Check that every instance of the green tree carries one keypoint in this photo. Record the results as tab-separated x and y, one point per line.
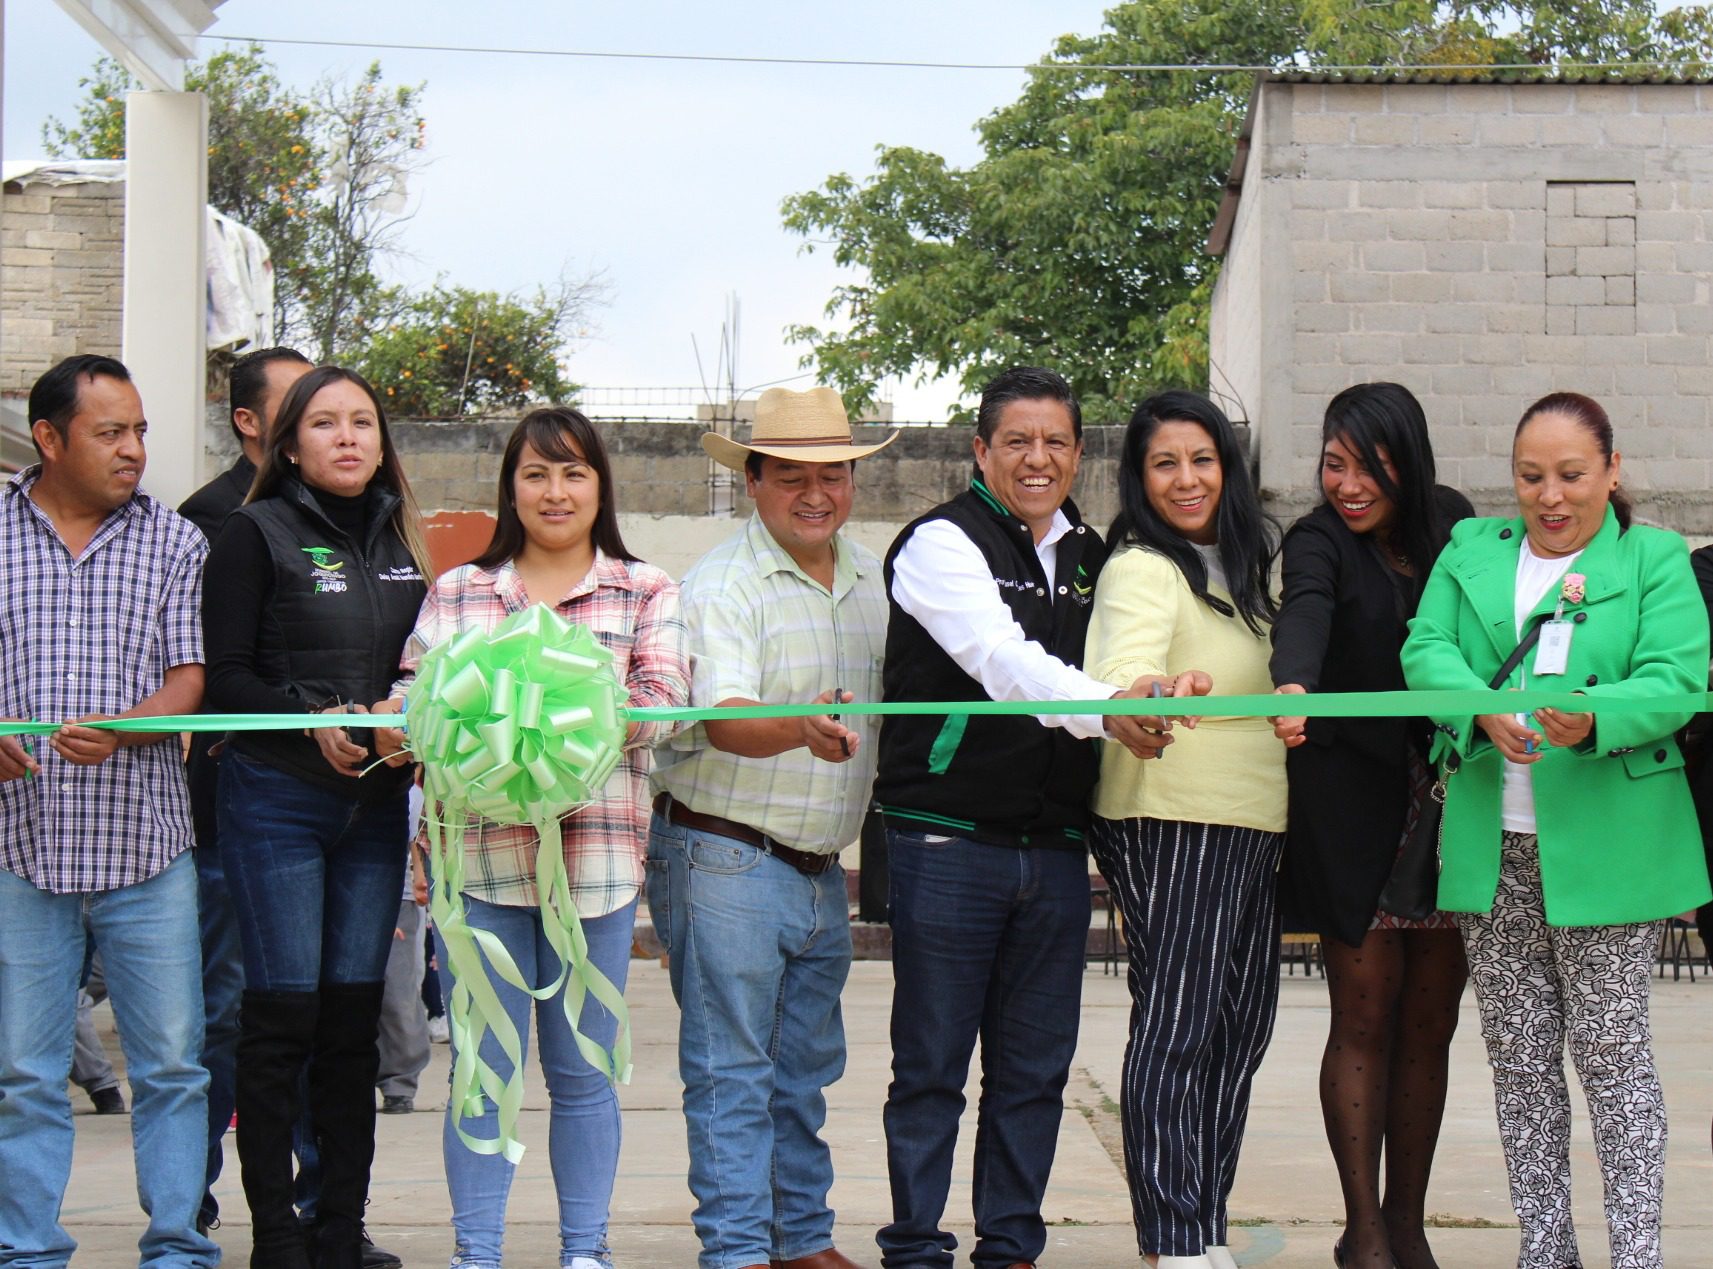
99	132
1077	240
321	177
264	159
374	138
453	351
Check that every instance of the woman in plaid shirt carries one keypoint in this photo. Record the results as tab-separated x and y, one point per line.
557	542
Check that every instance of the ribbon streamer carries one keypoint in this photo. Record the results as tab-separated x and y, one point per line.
519	725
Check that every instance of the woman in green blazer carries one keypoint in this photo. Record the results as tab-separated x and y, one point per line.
1568	837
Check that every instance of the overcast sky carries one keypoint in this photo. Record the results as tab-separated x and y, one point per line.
666	175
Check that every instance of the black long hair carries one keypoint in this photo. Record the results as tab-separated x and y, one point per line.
559	434
1591	416
1248	536
275	468
1370	417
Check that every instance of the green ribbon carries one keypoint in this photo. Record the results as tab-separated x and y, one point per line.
524	724
1438	704
519	725
1443	704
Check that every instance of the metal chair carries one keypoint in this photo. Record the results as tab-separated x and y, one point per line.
1106	946
1299	946
1674	948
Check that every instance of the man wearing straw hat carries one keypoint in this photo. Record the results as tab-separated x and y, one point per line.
991	595
744	882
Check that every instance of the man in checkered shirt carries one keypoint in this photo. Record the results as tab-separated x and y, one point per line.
744	882
100	617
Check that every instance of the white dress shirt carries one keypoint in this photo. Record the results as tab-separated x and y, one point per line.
942	580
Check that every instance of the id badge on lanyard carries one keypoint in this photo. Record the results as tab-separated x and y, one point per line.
1552	653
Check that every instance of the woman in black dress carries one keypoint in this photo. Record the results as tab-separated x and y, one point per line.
1354	568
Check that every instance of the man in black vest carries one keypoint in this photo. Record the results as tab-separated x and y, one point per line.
990	599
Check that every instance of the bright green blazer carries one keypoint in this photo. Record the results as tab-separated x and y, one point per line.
1617	832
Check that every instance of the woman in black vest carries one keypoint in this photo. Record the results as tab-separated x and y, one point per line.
1354	569
312	588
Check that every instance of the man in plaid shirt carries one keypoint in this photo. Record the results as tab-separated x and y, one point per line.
744	881
100	617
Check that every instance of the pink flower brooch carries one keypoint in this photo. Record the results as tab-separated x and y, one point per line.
1575	588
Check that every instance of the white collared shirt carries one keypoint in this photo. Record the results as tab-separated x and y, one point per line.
941	579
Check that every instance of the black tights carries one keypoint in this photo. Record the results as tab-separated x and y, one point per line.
1382	1083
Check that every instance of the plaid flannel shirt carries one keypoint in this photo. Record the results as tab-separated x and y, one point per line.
762	629
95	635
632	608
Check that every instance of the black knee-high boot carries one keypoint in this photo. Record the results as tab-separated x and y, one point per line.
342	1073
276	1034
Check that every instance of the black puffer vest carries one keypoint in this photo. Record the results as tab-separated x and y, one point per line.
337	618
1006	780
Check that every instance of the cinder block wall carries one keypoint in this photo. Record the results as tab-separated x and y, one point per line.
1483	244
661	470
62	276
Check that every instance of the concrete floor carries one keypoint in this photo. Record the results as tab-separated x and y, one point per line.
1286	1196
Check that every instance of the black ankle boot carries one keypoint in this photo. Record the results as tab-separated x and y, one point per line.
276	1033
342	1075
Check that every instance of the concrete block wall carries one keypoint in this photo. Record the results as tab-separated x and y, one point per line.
663	478
60	276
1485	244
661	470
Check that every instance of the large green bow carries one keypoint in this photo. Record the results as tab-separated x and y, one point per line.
518	725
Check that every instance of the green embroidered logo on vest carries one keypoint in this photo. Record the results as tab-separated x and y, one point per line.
324	570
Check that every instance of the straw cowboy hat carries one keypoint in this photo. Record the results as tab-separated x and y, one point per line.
802	427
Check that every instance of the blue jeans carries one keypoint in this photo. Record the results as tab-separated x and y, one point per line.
583	1125
986	940
222	987
760	953
147	935
314	877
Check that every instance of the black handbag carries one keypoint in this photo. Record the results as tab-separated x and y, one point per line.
1412	890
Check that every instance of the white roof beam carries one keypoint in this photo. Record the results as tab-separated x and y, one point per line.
152	38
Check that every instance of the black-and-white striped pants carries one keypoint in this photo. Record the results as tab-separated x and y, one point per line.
1202	931
1537	985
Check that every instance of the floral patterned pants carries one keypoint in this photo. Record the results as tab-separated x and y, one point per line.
1537	985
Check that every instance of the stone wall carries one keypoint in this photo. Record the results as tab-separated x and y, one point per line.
61	279
661	470
664	478
1485	244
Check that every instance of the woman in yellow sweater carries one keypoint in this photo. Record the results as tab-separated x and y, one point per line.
1190	843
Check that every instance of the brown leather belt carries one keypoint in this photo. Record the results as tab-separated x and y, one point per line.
675	812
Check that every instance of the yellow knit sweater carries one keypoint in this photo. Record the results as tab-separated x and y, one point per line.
1226	770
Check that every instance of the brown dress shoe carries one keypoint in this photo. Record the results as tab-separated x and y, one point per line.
832	1258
